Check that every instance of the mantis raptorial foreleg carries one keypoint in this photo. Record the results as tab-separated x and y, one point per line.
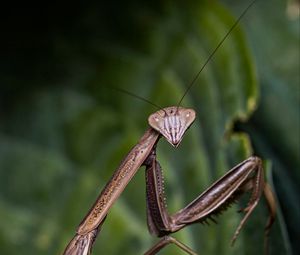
247	176
82	242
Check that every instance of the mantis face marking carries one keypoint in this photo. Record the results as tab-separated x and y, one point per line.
172	122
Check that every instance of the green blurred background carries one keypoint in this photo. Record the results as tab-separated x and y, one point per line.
63	130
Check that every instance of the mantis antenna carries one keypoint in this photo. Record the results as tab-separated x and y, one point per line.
140	98
214	51
192	83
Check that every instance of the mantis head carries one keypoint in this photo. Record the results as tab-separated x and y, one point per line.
172	122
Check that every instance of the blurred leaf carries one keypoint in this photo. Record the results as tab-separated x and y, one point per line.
64	135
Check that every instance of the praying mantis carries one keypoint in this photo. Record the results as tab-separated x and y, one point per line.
172	123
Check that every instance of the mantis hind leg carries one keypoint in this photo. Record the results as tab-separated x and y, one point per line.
247	176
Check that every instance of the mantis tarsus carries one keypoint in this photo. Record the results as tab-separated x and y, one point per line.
172	123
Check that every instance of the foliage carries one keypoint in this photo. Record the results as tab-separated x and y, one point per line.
63	129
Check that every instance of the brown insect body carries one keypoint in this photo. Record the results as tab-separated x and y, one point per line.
172	123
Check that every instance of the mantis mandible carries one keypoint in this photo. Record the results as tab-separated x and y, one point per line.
172	123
